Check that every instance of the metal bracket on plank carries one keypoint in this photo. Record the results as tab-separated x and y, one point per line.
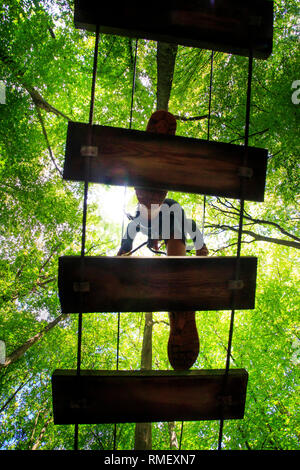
225	400
245	172
235	285
81	286
89	151
255	20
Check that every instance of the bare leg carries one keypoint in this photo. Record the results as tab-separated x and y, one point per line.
175	247
183	344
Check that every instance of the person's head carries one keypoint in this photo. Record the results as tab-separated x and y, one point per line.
146	197
160	122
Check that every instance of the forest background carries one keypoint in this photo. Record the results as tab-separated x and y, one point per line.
46	73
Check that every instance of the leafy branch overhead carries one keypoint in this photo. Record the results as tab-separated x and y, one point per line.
262	233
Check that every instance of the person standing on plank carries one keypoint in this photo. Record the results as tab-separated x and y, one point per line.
162	218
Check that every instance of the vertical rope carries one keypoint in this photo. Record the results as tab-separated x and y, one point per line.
117	368
204	197
86	186
84	216
210	93
130	119
123	222
133	83
237	272
208	126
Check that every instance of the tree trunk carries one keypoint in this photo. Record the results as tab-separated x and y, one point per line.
143	431
166	57
19	352
172	434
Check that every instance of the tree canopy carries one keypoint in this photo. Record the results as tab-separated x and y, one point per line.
46	69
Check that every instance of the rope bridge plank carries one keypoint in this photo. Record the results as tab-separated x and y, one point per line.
99	396
231	26
137	158
142	284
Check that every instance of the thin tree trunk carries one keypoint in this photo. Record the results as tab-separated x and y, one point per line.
35	425
143	431
166	57
43	430
19	352
173	436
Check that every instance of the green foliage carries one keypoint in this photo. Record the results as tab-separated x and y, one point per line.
46	65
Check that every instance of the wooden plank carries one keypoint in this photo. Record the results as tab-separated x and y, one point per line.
147	396
129	284
231	26
142	159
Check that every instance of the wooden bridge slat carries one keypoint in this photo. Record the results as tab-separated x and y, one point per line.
142	159
147	396
136	284
231	26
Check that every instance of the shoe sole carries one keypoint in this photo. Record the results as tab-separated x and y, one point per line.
183	344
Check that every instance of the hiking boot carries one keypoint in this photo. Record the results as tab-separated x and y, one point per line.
183	344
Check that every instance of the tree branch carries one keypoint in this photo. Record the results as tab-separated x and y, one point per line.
37	98
251	135
47	281
235	213
15	393
47	140
49	257
160	321
257	237
277	241
40	102
228	246
19	352
193	118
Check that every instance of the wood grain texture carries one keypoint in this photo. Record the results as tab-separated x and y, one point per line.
129	284
147	396
231	26
142	159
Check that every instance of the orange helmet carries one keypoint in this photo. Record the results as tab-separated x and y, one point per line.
162	122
